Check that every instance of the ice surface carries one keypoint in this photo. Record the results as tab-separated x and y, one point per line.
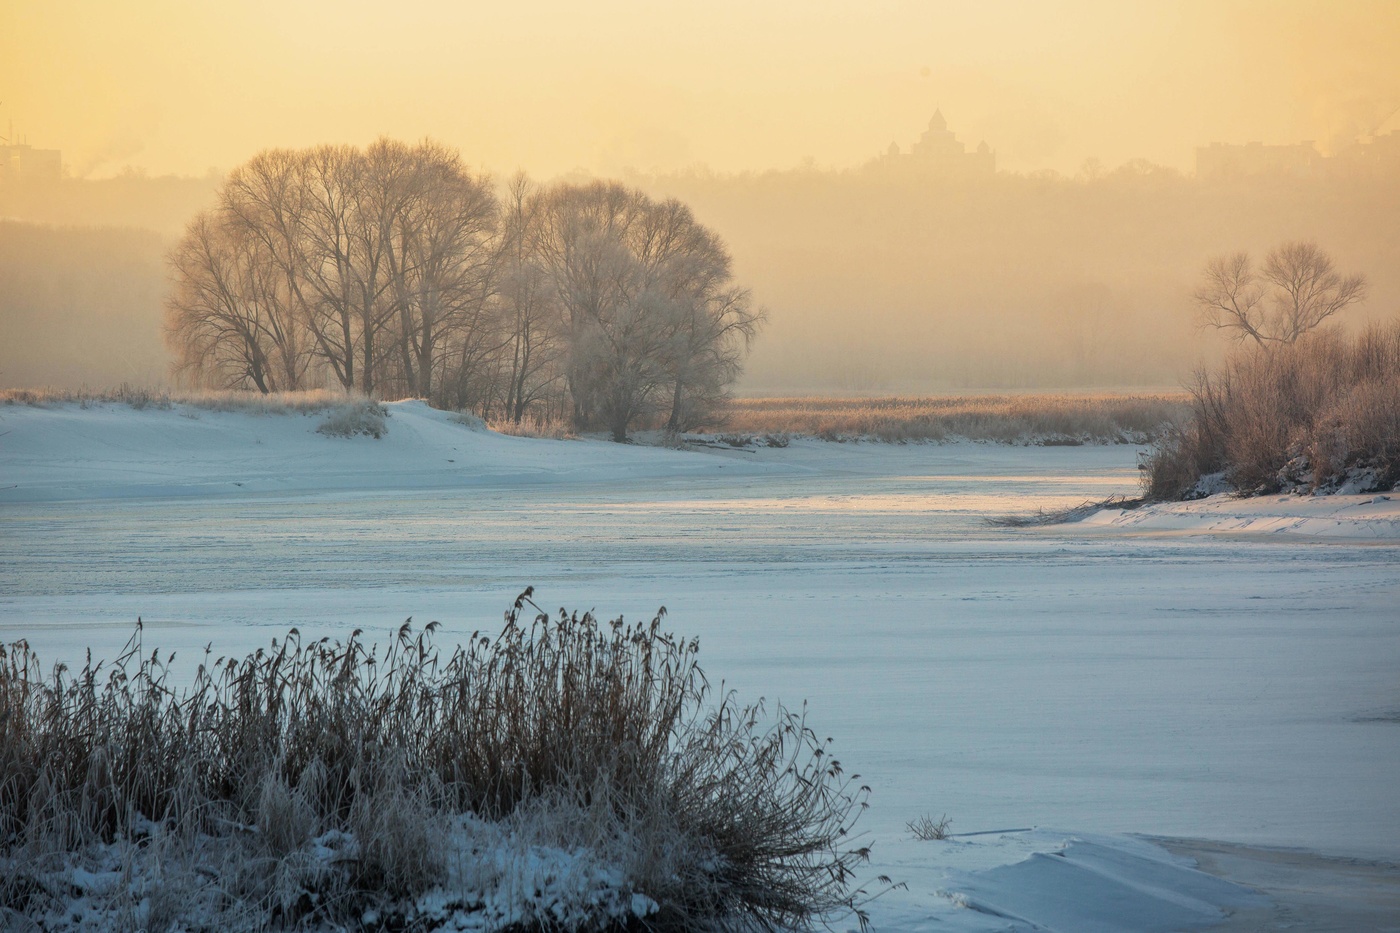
1178	672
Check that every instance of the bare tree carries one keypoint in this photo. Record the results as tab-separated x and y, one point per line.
712	321
324	250
228	315
262	202
531	370
440	252
1296	290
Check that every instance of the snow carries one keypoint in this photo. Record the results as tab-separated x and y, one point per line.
1368	517
68	452
498	879
1222	669
1046	879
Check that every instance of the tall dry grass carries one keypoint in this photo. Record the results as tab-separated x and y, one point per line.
1305	415
309	401
533	426
584	734
1086	418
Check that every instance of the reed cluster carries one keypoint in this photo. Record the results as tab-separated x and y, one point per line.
1318	414
337	785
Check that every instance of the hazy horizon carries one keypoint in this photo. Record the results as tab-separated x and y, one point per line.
168	88
771	123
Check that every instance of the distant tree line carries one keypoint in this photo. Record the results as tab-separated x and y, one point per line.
395	271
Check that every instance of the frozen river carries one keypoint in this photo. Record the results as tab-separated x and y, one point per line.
1236	689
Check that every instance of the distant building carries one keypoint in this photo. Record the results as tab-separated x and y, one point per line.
1220	161
23	161
938	151
1366	158
1371	156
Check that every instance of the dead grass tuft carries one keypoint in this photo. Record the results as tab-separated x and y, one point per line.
359	417
926	829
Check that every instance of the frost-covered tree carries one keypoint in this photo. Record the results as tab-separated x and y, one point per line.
653	319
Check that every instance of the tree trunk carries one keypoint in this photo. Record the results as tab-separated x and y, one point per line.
673	423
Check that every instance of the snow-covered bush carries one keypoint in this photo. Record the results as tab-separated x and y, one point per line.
567	773
470	421
359	417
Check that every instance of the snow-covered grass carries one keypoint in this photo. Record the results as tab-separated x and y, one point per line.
1044	419
564	773
361	417
1338	517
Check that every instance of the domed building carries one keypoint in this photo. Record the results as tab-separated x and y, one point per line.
940	152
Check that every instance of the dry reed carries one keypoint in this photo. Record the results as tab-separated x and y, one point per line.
328	774
533	426
1309	415
1067	419
140	397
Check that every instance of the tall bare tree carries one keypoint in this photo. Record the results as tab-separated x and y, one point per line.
711	321
229	315
440	250
1297	289
531	372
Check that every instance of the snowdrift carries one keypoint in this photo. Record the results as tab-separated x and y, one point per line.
102	451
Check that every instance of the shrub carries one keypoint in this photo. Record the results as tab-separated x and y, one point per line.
361	417
329	781
1303	415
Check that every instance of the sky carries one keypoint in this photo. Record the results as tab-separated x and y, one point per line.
182	86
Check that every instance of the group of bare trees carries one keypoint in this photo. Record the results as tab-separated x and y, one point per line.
395	271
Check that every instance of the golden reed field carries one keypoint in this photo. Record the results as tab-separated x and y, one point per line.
1100	416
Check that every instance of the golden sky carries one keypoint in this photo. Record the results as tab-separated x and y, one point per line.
182	86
